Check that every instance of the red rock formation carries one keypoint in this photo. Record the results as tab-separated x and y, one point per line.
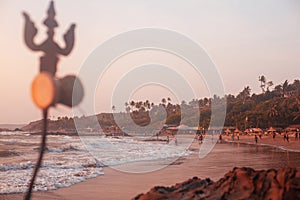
240	183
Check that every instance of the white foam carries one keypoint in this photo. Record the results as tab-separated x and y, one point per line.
70	147
56	172
67	161
10	140
5	133
113	151
15	181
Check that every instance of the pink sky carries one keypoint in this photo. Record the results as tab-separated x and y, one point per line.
244	39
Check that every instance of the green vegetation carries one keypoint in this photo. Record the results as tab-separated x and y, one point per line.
279	107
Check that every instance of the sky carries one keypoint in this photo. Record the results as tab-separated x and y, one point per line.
244	39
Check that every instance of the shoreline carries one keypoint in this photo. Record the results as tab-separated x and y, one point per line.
117	179
115	184
278	142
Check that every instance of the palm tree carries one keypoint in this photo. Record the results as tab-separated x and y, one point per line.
296	84
298	113
273	111
138	105
164	101
148	104
262	80
205	101
285	86
269	84
132	104
278	90
200	102
127	107
245	94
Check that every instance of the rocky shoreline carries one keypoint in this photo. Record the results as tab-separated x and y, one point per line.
240	183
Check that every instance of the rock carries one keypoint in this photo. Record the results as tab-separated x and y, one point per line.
190	188
240	183
91	166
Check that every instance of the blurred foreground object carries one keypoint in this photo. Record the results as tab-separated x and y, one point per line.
48	62
46	89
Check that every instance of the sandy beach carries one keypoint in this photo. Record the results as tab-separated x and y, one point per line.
292	145
120	185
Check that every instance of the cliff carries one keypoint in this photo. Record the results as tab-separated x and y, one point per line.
240	183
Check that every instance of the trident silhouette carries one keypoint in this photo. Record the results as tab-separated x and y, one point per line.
51	49
46	89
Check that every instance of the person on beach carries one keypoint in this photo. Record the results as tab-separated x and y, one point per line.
256	139
220	138
168	139
196	137
274	135
260	136
238	136
200	138
232	136
284	136
296	135
287	138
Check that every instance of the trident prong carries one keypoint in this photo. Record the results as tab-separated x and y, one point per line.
48	62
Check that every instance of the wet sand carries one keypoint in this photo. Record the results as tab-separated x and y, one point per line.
120	185
268	140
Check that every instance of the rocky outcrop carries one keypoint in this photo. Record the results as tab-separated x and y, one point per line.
240	183
4	129
89	124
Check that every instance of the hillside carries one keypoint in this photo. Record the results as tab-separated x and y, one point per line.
279	107
11	126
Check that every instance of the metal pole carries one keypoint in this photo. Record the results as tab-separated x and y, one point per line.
42	150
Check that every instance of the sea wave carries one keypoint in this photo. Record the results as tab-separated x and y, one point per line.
66	148
52	175
14	133
116	151
68	161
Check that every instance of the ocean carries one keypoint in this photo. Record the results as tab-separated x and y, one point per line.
72	159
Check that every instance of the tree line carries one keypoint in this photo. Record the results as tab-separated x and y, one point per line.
276	106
